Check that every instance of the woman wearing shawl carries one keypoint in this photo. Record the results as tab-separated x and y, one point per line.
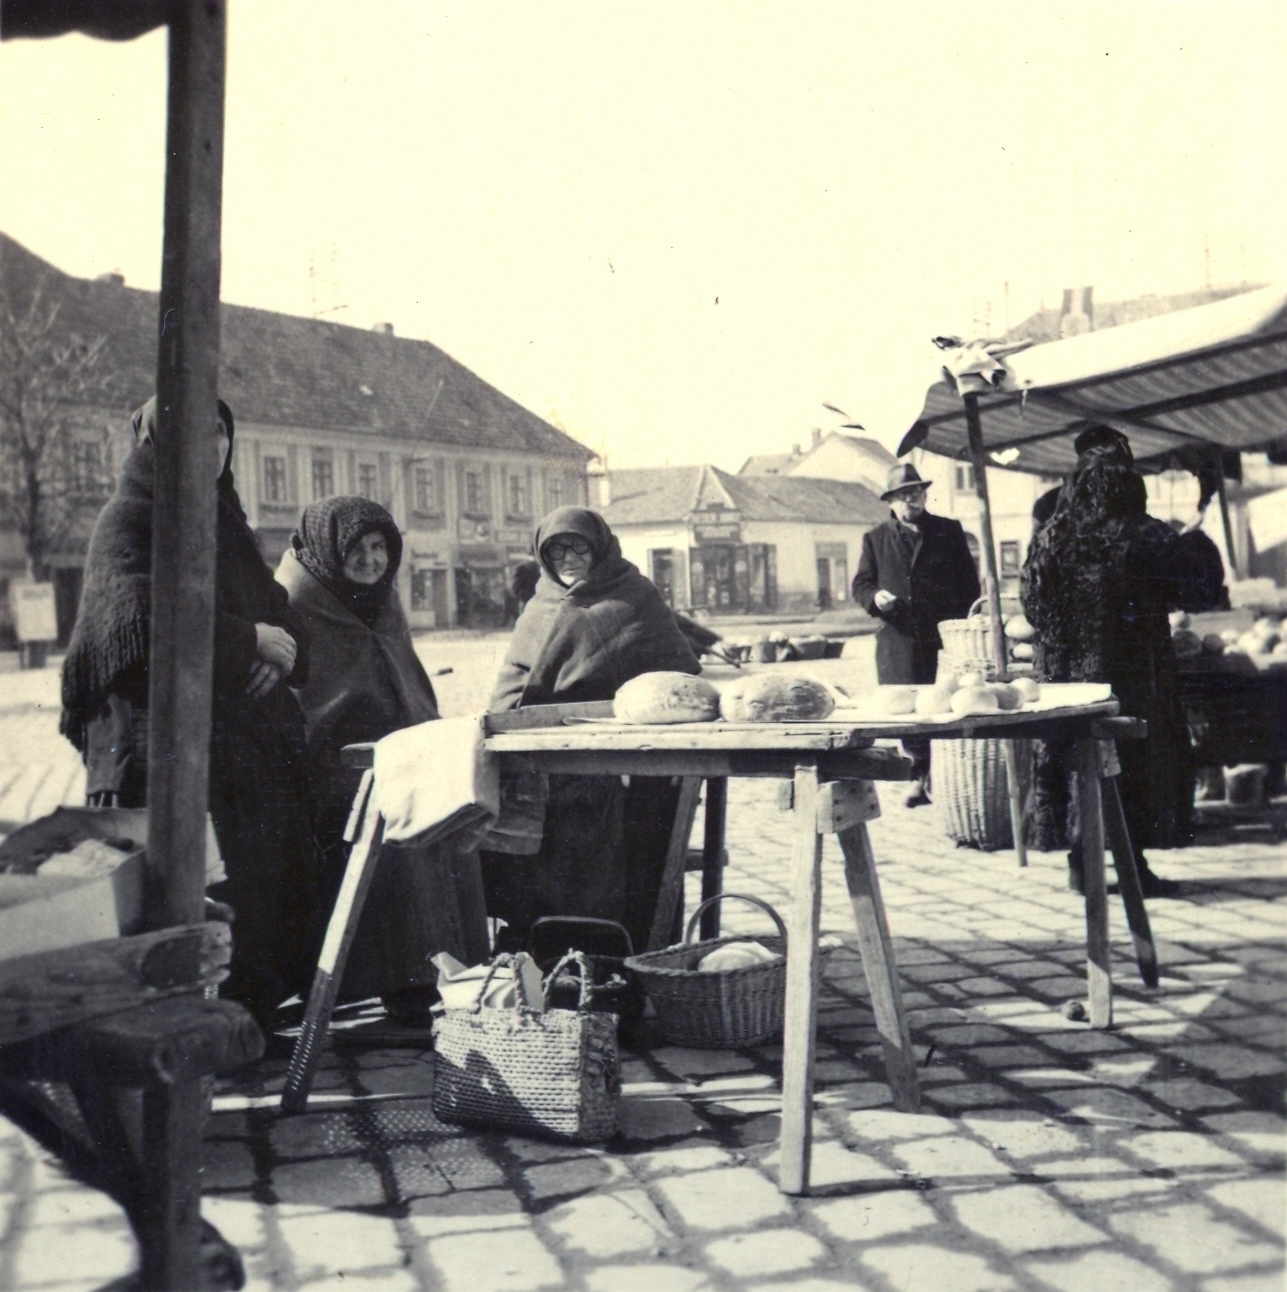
258	793
594	623
365	681
1100	579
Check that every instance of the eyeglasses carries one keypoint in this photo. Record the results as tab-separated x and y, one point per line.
557	550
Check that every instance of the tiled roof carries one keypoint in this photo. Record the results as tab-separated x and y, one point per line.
658	495
278	369
768	464
1044	324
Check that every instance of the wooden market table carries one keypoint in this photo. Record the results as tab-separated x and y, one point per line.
831	767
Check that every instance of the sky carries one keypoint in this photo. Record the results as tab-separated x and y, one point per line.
677	230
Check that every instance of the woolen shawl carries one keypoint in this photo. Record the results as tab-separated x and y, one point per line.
583	642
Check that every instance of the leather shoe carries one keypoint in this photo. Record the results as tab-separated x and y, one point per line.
1153	885
918	798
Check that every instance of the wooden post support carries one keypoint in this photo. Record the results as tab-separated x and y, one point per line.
1230	546
1099	980
803	964
1128	880
183	512
880	967
992	590
713	854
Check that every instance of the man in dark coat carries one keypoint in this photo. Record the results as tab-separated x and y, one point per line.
915	570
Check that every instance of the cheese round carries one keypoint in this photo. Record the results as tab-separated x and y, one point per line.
659	698
736	955
1008	697
1027	687
933	699
974	699
895	700
768	697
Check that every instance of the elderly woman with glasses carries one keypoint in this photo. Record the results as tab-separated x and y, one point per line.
594	623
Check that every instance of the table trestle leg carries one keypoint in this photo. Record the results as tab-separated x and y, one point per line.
1099	979
880	967
335	951
802	987
1128	881
670	899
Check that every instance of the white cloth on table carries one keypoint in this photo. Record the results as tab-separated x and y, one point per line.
435	779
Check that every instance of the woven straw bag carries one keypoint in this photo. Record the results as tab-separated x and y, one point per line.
553	1073
967	645
716	1011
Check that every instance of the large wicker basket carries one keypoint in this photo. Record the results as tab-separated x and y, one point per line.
971	791
716	1011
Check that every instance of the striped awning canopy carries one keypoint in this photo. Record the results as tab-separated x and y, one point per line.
1178	385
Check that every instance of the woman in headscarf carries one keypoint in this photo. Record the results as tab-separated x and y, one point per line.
1100	579
258	788
594	623
365	681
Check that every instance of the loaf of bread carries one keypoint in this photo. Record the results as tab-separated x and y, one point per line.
658	698
768	697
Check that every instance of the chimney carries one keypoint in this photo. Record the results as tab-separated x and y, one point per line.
817	437
114	277
385	329
795	451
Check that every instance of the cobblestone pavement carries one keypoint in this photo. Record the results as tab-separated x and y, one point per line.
1047	1156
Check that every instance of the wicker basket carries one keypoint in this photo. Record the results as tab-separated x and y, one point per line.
971	792
967	645
716	1011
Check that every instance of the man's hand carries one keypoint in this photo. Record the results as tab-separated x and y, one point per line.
884	599
275	646
263	677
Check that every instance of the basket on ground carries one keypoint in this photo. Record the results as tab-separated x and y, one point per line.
716	1011
971	792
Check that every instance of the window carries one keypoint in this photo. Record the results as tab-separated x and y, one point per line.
275	479
87	466
1010	559
555	490
518	501
964	478
367	479
323	478
426	495
474	503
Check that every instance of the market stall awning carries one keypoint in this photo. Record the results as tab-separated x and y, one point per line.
1214	376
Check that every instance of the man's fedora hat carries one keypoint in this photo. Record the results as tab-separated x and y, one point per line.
902	478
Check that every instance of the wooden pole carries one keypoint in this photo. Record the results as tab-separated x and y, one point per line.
992	591
1228	528
183	516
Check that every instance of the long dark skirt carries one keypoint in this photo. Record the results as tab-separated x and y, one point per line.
262	812
421	901
1156	783
602	855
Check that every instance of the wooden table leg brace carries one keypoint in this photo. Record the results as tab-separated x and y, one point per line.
842	808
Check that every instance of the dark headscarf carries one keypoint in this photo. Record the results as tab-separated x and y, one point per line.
583	642
327	531
583	522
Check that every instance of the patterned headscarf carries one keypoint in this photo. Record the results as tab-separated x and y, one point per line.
327	531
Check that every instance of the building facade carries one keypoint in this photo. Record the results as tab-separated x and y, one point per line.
733	544
322	409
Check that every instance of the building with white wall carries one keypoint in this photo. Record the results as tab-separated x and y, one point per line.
733	544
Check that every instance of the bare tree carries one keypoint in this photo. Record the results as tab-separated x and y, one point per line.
55	454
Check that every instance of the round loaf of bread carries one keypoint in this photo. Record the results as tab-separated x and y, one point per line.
768	697
658	698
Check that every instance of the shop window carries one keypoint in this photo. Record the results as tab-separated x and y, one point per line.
662	563
973	544
367	480
425	490
323	478
1009	559
275	479
964	478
